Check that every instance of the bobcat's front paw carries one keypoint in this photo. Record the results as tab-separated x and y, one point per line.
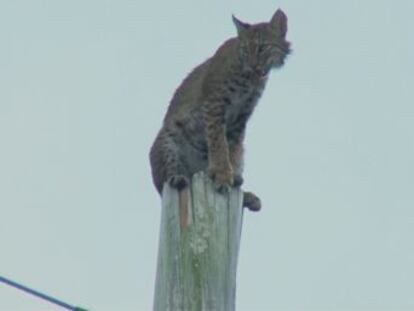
222	177
178	182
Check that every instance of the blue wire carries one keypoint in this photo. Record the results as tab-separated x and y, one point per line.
38	294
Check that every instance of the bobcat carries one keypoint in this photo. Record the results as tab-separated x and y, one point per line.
205	123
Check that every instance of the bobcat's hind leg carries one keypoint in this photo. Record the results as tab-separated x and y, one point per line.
175	168
251	201
178	181
167	163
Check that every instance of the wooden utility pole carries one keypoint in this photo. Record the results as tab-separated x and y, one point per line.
198	248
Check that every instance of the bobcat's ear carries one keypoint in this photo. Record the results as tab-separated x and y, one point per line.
279	23
241	27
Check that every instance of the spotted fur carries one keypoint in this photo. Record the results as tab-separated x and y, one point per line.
204	127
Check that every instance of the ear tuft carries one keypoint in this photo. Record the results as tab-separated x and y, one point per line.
241	26
279	22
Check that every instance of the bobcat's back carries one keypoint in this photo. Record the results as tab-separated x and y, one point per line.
188	94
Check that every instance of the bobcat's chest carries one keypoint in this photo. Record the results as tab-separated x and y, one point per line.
242	97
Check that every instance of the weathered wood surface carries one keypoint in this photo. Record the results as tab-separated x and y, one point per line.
198	248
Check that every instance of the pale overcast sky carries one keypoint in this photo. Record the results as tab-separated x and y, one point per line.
330	149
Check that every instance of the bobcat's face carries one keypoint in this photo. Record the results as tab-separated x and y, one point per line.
263	46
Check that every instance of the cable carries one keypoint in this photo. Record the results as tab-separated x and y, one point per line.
40	295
